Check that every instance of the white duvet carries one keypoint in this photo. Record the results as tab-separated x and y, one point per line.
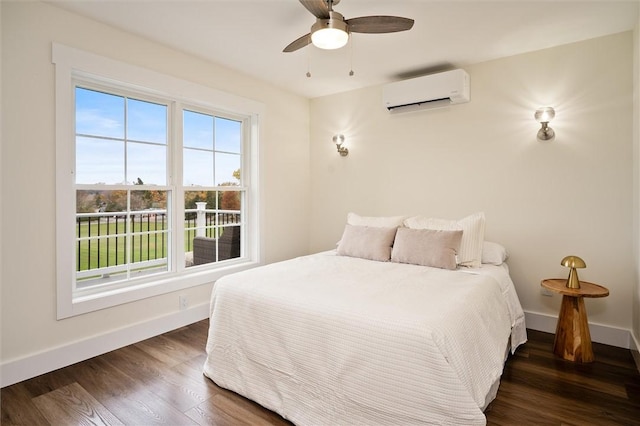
334	340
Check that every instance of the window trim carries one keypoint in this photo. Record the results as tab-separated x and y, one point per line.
70	64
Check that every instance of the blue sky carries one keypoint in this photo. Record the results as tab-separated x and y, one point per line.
104	156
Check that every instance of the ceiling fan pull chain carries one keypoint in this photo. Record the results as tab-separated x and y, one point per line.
308	63
351	55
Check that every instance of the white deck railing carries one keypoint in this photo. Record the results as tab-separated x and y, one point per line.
114	242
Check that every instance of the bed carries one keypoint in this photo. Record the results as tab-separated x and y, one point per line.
334	339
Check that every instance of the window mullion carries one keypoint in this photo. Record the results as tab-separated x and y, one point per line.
213	159
126	140
176	170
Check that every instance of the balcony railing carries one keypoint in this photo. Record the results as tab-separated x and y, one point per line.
110	242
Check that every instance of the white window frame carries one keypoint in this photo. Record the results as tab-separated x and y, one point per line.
73	64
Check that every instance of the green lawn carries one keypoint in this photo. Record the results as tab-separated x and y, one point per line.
110	251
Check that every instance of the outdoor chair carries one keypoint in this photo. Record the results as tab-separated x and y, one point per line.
204	248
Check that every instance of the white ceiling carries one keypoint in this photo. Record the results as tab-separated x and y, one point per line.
249	35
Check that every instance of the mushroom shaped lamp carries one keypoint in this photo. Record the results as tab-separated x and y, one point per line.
573	262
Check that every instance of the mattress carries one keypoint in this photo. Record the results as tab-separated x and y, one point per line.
335	340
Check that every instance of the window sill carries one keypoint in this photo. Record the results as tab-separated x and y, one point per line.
161	285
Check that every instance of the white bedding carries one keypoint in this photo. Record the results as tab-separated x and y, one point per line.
335	340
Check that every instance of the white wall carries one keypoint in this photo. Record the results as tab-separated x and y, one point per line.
636	182
28	173
543	200
1	185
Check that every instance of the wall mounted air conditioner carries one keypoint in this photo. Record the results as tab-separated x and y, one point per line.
430	91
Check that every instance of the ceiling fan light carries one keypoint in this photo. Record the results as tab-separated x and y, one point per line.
330	33
329	38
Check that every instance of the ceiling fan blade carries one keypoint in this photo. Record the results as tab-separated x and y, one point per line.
298	44
379	24
318	8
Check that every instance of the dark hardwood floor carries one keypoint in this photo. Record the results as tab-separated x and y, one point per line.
160	381
538	388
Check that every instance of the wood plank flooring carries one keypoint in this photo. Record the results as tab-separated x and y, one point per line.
160	381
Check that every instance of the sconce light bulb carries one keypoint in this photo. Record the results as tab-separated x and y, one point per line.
545	114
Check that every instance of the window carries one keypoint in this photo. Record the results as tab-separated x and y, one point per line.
211	158
156	191
122	197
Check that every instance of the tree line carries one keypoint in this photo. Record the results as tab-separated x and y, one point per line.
99	200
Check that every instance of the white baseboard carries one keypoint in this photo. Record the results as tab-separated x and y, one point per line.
15	371
635	351
608	335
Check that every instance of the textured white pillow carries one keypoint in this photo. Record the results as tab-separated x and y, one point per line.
426	247
470	253
375	221
493	253
367	242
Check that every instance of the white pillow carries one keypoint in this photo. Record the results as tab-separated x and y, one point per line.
470	253
493	253
367	242
426	247
375	221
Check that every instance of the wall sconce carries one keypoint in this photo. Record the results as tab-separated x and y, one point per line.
339	140
544	116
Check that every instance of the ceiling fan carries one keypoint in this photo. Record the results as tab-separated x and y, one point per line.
331	30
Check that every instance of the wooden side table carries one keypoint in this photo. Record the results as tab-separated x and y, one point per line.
573	340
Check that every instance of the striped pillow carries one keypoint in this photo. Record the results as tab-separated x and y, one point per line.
472	227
